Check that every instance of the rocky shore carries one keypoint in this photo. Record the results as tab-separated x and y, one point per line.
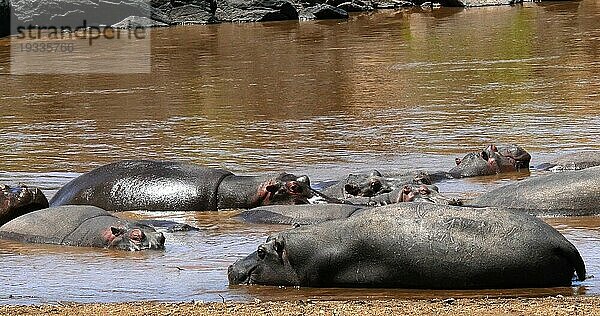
577	305
156	13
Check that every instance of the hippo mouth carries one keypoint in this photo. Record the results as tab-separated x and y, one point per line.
245	277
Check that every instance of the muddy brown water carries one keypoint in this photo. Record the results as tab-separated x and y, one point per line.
389	90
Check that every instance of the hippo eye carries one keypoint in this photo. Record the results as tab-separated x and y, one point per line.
375	185
484	155
261	253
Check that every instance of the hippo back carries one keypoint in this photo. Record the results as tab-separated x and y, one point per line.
297	214
84	226
56	225
420	245
145	185
565	193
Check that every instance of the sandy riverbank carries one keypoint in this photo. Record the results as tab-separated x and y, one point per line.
496	306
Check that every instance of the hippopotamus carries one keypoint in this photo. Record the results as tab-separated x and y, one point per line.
84	226
564	193
375	183
416	245
572	161
492	160
17	201
181	186
408	193
305	214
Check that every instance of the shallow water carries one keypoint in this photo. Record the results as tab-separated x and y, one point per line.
389	90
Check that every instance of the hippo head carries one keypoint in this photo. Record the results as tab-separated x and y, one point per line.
287	189
374	184
517	156
18	201
424	193
267	265
491	160
134	237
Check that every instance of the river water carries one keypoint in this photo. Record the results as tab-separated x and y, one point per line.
389	90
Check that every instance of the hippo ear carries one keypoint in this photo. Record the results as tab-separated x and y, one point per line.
458	161
376	173
117	231
304	180
279	245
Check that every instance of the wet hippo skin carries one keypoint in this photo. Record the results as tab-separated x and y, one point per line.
416	245
164	186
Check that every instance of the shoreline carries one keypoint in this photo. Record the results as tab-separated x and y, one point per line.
553	305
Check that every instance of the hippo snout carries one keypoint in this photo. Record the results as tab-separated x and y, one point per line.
240	272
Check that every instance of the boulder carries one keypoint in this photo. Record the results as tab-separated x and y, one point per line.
255	10
4	18
477	3
323	12
138	22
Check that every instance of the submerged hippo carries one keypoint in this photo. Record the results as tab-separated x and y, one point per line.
165	186
408	193
17	201
564	193
492	160
416	245
375	183
573	161
298	214
81	225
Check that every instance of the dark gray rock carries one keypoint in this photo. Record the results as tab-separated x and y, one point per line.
78	13
255	10
4	18
185	12
323	12
138	22
477	3
356	6
392	4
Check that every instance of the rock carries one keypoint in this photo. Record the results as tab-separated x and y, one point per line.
477	3
77	13
255	10
386	4
138	22
355	6
4	18
323	12
105	12
188	12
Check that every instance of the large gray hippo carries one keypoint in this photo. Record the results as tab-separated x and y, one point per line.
165	186
564	193
17	201
80	225
492	160
416	245
572	161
